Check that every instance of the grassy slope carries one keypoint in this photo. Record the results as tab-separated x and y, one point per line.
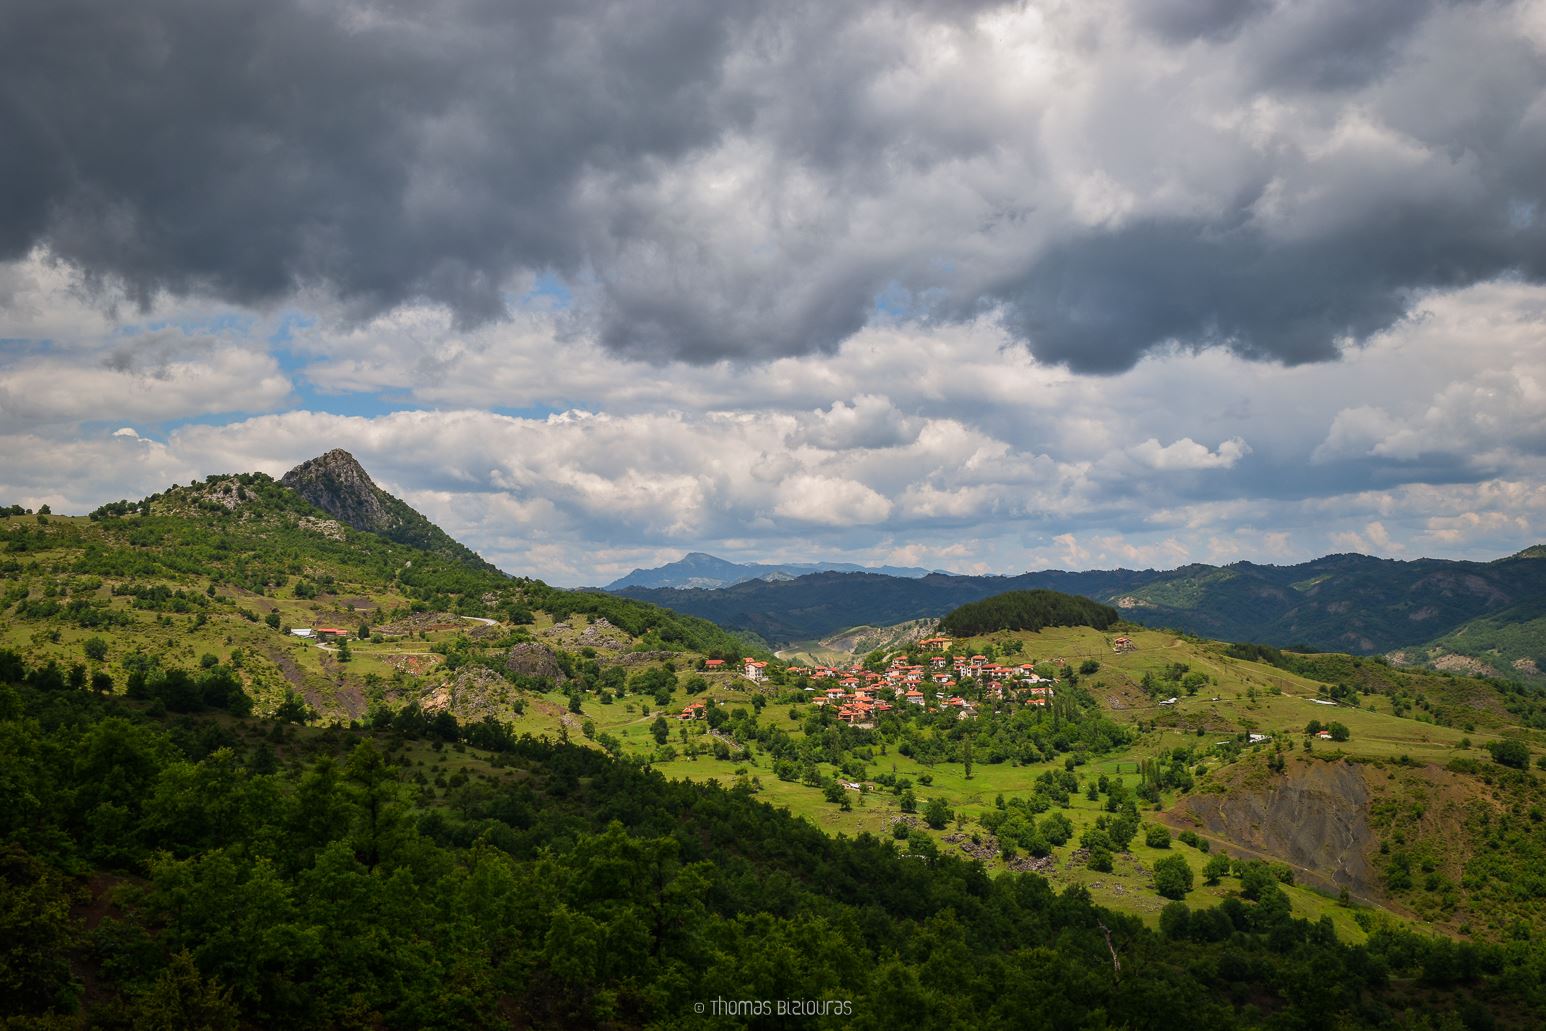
1281	704
235	566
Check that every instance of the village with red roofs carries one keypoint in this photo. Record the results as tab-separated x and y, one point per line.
861	694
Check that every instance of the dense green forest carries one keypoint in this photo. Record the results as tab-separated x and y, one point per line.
1026	610
201	869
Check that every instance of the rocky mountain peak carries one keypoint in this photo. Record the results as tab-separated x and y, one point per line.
336	483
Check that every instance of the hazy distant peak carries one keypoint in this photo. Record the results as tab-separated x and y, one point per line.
700	570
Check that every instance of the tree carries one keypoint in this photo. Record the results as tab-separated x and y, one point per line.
1257	879
1122	830
1510	753
966	755
364	631
1175	920
1217	867
937	813
1100	859
95	648
1056	829
1173	877
920	844
272	619
1339	732
181	998
344	654
661	730
1156	837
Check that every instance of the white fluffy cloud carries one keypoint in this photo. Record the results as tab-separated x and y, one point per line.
1186	453
944	442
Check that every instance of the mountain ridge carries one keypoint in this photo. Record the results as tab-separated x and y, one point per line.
1344	602
338	484
700	570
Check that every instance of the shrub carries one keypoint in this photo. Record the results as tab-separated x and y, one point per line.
1510	753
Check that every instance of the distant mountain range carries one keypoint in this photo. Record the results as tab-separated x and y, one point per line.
1344	602
698	571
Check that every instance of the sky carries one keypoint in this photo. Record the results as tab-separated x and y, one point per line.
977	286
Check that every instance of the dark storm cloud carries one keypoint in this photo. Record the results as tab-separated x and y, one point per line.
1332	44
388	151
1184	20
717	178
1096	301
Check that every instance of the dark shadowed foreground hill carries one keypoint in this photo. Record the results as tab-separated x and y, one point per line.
1343	602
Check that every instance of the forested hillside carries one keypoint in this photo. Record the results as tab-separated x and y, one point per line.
176	871
1026	610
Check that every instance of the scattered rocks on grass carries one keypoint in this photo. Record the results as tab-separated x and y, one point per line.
530	659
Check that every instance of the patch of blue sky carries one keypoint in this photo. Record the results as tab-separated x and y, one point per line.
227	324
549	292
900	303
13	348
313	396
535	412
289	324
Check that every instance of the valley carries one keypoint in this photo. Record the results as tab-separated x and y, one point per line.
1482	616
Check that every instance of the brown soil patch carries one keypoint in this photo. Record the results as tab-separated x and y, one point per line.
1315	817
415	665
